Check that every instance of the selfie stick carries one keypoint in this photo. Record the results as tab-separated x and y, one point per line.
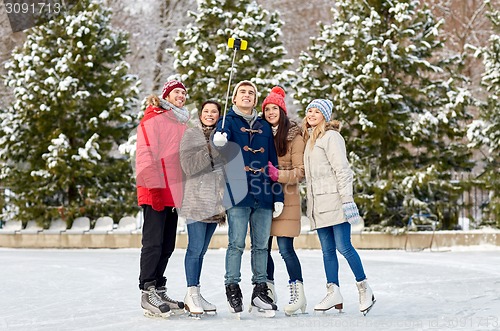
236	44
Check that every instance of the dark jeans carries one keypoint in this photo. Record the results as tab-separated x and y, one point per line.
199	235
158	242
292	263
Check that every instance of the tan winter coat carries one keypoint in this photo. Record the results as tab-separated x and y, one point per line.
329	179
291	172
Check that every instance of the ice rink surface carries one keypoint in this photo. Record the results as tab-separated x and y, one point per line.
56	289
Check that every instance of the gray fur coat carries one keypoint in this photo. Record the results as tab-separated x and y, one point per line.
204	180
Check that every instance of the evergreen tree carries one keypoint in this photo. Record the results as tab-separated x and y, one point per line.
486	131
402	106
73	104
202	57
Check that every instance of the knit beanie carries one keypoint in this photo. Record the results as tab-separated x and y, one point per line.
324	106
169	86
277	97
249	83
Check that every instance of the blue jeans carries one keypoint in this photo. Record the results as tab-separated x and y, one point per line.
199	235
238	219
287	252
338	237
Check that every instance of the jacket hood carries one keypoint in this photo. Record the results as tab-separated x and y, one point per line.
293	131
333	125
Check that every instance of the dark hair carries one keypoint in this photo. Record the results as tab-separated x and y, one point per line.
280	139
219	107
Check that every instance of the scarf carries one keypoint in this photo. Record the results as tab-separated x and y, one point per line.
249	118
182	114
275	129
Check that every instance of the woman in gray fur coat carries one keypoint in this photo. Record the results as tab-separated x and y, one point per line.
202	203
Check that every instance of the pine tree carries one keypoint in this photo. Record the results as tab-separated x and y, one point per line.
73	104
486	130
402	106
203	59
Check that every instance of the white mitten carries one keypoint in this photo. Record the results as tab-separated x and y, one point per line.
351	212
220	139
278	209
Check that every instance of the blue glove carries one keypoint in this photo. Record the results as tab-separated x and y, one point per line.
351	213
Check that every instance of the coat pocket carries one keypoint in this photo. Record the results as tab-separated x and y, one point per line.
325	186
327	202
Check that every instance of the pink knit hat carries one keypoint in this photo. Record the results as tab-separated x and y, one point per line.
277	97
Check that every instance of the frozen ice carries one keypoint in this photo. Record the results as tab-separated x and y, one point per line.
83	289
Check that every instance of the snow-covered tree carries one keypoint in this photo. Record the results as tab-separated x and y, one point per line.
203	59
74	101
403	107
486	130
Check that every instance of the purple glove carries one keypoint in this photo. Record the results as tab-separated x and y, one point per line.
156	199
274	173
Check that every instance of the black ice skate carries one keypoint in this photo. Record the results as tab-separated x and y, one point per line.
234	298
152	304
262	301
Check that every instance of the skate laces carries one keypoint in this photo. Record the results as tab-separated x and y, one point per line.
204	301
293	292
162	293
154	298
362	293
327	297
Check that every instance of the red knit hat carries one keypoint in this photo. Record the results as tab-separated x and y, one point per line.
169	86
277	97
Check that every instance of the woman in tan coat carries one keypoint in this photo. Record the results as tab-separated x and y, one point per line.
290	149
330	204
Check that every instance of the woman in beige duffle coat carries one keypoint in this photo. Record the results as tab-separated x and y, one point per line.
290	149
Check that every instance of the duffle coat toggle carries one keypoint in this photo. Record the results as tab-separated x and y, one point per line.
255	171
243	129
250	149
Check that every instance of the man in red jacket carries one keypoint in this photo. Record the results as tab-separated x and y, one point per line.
159	191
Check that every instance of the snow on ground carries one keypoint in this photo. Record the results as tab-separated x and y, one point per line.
50	289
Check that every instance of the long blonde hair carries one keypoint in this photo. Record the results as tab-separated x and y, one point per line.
319	130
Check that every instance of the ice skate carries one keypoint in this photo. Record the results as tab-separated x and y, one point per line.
152	304
297	299
208	308
272	292
192	302
261	302
333	299
366	297
234	299
177	307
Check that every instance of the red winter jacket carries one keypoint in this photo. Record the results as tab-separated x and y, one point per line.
157	156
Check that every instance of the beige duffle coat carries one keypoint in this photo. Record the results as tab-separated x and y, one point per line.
291	172
329	179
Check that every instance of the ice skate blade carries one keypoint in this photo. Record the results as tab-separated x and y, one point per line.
194	316
295	313
268	313
210	312
324	312
369	308
150	314
178	312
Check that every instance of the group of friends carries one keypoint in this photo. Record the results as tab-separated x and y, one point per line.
244	170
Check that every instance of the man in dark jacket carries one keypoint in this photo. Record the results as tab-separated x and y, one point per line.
254	136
